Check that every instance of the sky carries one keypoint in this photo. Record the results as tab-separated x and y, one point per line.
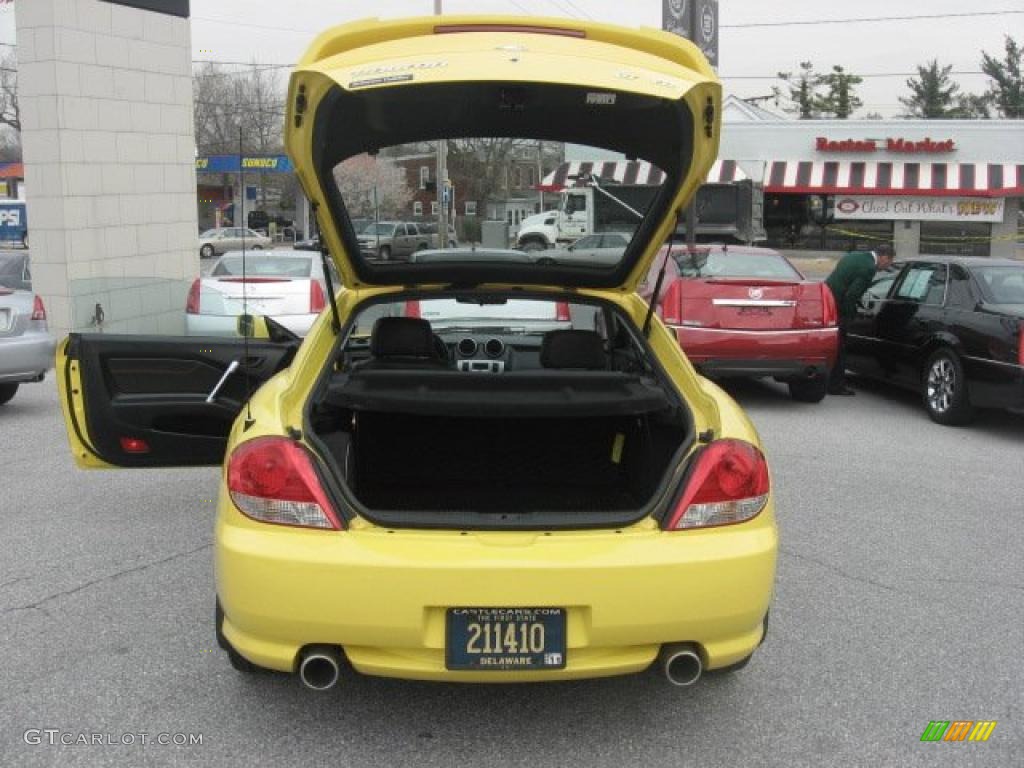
277	31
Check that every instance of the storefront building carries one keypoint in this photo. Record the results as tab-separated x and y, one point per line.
927	186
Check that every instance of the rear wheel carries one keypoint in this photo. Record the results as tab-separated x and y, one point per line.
945	389
7	391
256	248
206	252
808	390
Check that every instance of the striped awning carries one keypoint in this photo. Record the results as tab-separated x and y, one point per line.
885	178
631	172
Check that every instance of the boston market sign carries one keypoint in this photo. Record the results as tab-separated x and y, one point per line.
906	146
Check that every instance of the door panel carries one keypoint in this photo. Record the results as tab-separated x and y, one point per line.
141	401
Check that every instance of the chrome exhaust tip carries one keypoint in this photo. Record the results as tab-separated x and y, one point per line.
681	663
320	667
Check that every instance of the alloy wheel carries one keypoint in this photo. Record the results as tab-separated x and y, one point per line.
941	385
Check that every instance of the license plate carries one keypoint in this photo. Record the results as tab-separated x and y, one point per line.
505	639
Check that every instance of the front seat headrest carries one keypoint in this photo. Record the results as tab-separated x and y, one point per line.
402	337
573	349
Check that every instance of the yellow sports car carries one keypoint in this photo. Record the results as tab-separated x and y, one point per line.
478	466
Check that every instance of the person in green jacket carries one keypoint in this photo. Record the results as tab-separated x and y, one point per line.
849	280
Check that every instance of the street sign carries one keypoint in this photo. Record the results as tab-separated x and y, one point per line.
696	20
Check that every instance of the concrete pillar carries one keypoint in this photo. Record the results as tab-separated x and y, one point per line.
906	237
106	102
1004	233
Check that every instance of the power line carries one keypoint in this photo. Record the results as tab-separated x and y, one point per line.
865	19
573	5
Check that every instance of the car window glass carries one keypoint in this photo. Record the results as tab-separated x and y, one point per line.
591	241
960	292
879	289
1002	285
915	283
267	266
734	264
936	293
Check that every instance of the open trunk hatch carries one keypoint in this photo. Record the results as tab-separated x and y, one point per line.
366	115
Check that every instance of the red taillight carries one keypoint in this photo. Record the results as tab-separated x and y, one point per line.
317	301
134	445
192	303
672	303
271	479
728	484
412	308
829	311
38	309
562	311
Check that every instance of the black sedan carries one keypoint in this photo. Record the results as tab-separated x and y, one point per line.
951	328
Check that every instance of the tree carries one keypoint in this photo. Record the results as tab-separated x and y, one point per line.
10	114
483	166
840	101
803	86
1006	92
933	94
373	186
224	100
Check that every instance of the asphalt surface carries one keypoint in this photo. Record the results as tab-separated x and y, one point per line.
900	598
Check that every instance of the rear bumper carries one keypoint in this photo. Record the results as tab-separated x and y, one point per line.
784	354
27	357
227	325
382	595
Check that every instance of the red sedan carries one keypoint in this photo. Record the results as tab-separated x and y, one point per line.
744	311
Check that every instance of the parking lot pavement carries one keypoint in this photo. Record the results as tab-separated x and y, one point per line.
899	600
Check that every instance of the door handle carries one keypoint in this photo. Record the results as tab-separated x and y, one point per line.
220	383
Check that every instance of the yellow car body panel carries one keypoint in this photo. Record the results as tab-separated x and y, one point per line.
69	388
403	53
381	593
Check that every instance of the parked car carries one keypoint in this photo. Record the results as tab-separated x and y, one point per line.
599	249
394	240
951	328
214	242
430	228
310	244
284	285
747	311
590	507
26	346
261	220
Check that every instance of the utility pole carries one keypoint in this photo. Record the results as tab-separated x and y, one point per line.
540	173
442	177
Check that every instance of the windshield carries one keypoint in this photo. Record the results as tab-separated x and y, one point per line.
1002	285
726	263
495	190
277	266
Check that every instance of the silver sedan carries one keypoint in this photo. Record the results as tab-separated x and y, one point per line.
26	346
214	242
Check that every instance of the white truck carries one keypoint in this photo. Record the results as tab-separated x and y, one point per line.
731	212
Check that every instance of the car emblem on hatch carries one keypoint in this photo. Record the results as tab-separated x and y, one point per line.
755	293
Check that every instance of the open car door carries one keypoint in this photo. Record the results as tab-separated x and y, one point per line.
159	401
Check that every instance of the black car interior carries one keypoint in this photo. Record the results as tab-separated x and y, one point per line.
573	420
